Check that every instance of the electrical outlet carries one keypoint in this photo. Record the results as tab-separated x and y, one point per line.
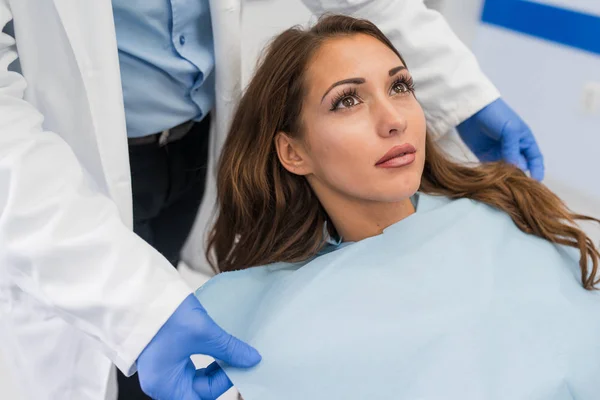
591	98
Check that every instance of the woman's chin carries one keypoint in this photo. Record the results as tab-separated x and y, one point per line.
393	192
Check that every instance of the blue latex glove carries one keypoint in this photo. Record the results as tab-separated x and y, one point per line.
165	369
498	133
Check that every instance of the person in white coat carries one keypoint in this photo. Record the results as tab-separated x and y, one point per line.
84	103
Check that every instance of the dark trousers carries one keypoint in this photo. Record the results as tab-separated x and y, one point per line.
168	185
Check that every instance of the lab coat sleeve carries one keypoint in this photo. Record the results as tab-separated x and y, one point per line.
449	83
62	240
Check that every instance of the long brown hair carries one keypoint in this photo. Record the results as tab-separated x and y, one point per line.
267	214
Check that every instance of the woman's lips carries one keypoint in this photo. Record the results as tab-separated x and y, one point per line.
398	156
397	162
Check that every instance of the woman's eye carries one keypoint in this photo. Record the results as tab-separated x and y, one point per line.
400	88
347	102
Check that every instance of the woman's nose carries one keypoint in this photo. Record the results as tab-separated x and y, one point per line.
391	119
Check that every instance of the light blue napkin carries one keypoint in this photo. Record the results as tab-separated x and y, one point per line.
453	302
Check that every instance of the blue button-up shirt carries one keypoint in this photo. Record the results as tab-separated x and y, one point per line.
167	59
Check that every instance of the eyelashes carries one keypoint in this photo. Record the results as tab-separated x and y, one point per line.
348	93
407	82
402	85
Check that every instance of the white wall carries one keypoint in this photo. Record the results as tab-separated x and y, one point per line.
544	82
264	19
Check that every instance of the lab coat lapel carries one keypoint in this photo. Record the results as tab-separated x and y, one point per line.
226	23
89	26
72	15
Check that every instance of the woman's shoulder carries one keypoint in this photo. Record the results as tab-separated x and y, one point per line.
246	280
231	297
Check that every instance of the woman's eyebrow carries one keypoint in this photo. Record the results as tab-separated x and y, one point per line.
356	81
359	81
395	70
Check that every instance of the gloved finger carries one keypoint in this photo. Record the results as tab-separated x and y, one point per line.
535	159
511	150
233	351
211	382
537	169
213	341
522	163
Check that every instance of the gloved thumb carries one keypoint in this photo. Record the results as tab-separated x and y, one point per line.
231	350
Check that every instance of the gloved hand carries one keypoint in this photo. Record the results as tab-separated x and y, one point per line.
497	133
165	369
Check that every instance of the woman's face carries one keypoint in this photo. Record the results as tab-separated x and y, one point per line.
363	131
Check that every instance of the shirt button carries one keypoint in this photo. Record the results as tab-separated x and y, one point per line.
182	40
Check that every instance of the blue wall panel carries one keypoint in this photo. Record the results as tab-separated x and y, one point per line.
560	25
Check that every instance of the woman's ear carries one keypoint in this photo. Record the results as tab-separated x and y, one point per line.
292	154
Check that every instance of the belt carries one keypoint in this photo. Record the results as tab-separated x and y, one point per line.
164	137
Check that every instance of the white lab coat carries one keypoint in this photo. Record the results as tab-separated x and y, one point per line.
69	262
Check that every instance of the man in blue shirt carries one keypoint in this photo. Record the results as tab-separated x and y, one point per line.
167	63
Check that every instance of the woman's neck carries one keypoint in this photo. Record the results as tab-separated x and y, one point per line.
356	220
